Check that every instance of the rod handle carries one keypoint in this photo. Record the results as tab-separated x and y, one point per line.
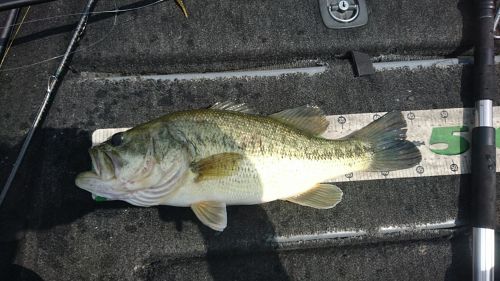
483	177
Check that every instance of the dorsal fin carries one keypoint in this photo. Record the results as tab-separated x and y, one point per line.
307	118
232	106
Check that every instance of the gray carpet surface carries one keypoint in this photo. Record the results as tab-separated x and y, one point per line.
51	230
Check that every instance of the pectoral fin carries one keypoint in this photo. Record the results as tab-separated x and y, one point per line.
211	214
321	196
218	165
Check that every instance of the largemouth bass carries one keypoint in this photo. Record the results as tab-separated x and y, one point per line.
209	158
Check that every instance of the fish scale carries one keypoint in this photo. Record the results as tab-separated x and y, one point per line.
228	130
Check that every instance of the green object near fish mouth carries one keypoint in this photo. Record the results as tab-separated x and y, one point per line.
98	198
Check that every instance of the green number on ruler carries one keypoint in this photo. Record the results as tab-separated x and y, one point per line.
497	137
456	144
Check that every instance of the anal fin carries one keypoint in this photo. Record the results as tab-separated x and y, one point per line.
321	196
211	214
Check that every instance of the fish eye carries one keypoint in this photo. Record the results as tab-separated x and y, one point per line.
117	139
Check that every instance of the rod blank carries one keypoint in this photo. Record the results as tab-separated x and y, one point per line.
13	4
54	79
7	31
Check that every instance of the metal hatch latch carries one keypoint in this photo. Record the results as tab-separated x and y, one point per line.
338	14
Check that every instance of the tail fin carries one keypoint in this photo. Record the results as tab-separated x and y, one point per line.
391	150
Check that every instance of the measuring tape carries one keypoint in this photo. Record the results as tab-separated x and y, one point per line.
442	136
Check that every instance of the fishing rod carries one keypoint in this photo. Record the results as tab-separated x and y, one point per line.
53	81
483	145
6	32
13	4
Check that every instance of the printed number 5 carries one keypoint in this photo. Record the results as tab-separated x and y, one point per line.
456	144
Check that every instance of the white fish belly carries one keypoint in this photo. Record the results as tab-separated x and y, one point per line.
283	178
260	180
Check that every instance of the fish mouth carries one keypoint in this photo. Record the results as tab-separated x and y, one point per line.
103	164
93	183
101	180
